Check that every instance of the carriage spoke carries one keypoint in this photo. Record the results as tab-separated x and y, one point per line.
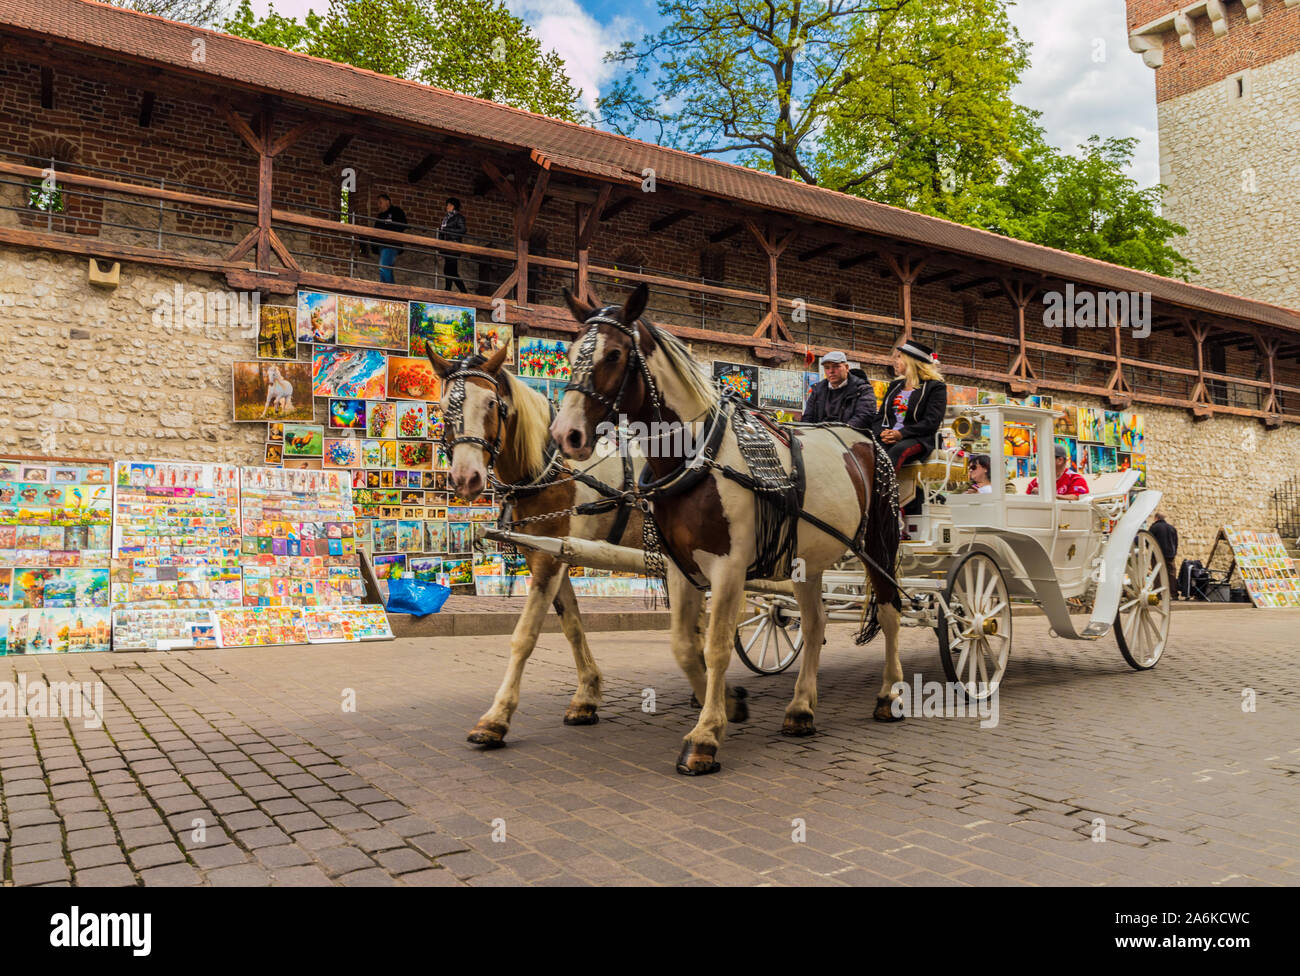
758	632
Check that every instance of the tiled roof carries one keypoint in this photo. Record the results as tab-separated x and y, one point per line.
120	34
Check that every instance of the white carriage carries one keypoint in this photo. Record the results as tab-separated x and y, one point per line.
971	558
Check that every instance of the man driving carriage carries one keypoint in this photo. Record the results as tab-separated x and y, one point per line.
843	397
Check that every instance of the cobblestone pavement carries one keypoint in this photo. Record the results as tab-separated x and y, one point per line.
241	767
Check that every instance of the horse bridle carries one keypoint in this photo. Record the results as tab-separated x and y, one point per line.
584	366
453	414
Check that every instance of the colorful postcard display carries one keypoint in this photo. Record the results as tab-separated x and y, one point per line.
412	378
1269	572
277	334
318	317
175	535
780	388
256	627
372	323
491	336
342	624
272	391
164	630
355	374
298	546
546	359
46	630
738	378
448	329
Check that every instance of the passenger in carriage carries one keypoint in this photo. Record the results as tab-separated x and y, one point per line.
979	475
1069	484
908	423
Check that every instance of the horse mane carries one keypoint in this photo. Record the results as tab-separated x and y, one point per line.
697	384
526	451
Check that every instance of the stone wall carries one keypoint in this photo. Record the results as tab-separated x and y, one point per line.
85	372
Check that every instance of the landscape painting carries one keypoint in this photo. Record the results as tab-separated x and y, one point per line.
372	323
448	329
272	391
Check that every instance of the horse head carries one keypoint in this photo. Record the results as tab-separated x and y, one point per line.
475	411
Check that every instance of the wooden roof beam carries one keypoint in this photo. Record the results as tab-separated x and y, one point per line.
853	262
619	205
731	230
337	148
977	283
939	276
424	167
816	252
666	221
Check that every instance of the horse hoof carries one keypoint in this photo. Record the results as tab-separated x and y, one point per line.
884	711
697	760
581	715
489	735
695	702
799	725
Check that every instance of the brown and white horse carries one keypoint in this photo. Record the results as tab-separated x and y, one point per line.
624	367
494	423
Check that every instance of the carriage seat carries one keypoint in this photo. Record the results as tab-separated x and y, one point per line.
940	466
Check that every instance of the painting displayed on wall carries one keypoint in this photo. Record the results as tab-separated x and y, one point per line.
272	391
275	433
341	453
373	323
738	378
1140	465
381	418
545	358
414	455
354	374
304	440
1019	441
1092	424
1066	423
412	420
274	454
491	336
1113	423
412	378
318	316
348	414
780	388
963	396
1071	449
992	396
447	329
810	379
1133	433
277	336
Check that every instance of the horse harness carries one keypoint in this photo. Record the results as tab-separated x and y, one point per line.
453	433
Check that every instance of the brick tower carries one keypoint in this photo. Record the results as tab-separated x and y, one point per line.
1228	103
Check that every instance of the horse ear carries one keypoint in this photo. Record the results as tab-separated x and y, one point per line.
440	366
580	309
636	303
496	360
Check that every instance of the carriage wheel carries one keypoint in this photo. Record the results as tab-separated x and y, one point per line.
769	637
975	632
1142	620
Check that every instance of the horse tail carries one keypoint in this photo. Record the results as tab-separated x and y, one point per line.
880	532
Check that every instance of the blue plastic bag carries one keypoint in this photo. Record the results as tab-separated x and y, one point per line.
416	597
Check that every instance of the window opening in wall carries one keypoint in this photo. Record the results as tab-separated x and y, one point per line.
1241	86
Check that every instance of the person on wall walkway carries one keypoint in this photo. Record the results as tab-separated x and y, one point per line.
392	218
452	228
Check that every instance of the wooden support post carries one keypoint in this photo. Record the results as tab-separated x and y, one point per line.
1272	413
264	171
772	327
1118	391
586	220
1023	378
264	237
1202	407
906	269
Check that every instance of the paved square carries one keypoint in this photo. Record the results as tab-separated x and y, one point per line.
242	767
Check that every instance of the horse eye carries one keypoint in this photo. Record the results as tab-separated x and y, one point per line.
612	356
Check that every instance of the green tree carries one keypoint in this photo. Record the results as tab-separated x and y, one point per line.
201	13
475	47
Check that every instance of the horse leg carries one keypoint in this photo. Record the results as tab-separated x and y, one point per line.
889	623
700	748
582	708
688	645
547	575
812	614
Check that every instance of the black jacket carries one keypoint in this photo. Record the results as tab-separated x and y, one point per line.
855	405
1167	537
925	411
452	227
394	219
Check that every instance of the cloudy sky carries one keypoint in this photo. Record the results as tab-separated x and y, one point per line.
1083	77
